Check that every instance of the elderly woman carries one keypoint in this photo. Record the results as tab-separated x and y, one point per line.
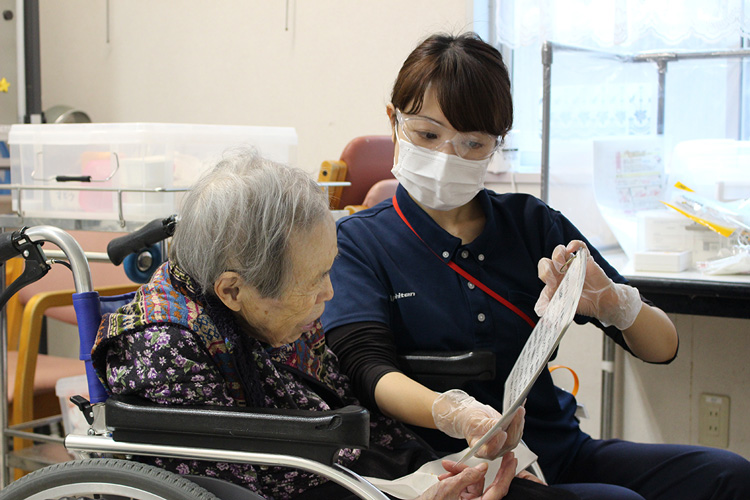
232	320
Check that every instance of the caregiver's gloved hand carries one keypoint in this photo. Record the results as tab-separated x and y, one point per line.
461	416
609	302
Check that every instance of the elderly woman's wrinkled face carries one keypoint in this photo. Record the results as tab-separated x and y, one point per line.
283	320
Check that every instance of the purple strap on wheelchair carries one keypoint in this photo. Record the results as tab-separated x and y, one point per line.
88	315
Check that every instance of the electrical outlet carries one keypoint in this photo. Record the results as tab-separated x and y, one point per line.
713	420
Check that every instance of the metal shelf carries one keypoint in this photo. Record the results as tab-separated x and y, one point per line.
660	58
123	223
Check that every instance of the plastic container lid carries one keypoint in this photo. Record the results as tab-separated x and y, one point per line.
127	133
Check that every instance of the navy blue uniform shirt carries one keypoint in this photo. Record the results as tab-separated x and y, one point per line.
386	274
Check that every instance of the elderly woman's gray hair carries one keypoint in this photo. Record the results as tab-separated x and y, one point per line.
240	216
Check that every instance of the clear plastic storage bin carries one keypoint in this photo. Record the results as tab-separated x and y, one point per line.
116	170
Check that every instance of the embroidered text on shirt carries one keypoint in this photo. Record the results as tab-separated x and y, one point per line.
402	296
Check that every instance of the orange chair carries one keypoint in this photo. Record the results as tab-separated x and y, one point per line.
364	161
32	376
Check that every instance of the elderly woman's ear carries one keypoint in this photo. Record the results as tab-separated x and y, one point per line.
228	288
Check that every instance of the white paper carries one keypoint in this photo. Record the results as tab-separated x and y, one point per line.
547	333
542	342
417	482
629	173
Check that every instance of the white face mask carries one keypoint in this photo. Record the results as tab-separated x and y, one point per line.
438	180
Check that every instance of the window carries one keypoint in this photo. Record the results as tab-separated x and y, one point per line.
595	97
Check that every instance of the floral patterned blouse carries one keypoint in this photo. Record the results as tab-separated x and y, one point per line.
172	345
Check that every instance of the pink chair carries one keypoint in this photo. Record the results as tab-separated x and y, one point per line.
364	161
381	190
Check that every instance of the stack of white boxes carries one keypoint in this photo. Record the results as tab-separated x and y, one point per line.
713	168
670	242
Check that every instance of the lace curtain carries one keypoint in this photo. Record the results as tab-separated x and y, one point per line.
620	23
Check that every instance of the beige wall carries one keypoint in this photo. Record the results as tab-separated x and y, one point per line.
327	70
661	402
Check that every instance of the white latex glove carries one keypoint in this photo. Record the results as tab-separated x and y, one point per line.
461	416
609	302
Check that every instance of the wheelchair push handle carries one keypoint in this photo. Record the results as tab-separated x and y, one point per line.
27	242
13	244
8	245
150	234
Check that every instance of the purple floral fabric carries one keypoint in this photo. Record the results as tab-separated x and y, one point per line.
173	346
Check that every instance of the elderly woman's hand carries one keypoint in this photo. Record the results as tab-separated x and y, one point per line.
466	483
461	416
609	302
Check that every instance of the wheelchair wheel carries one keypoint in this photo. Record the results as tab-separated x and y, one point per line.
106	479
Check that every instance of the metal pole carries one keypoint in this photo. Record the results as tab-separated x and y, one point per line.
743	132
675	56
20	62
492	29
4	472
546	104
608	387
662	65
32	58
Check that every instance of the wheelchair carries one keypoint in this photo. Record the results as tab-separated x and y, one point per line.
122	427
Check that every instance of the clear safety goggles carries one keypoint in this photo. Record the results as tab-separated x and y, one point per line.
429	134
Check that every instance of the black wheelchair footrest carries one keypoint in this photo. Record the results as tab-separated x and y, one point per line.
317	435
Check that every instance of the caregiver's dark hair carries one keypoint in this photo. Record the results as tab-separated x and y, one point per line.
470	80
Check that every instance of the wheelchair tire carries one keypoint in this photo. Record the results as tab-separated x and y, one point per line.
103	478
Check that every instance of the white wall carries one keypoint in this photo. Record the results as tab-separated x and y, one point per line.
661	402
327	70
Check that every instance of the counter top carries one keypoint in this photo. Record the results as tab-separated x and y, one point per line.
689	292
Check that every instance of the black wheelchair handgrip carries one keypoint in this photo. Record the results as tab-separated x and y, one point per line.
73	178
8	248
36	266
153	232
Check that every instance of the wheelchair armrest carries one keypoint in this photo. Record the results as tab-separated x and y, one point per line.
317	435
441	371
